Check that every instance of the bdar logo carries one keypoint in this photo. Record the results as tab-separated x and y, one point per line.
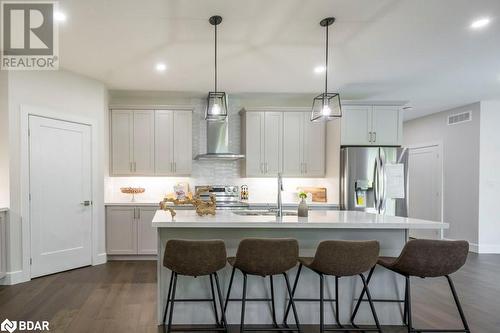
8	326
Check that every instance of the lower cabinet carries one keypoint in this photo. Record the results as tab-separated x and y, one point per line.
129	231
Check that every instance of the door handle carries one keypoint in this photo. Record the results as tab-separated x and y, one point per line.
86	203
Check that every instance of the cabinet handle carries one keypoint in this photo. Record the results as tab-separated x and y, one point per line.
305	167
138	213
135	167
135	214
375	136
369	136
130	166
175	166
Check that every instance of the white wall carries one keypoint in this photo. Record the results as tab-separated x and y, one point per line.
461	167
262	190
4	141
66	94
489	178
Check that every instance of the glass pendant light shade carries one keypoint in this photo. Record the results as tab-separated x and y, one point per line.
216	100
326	107
216	106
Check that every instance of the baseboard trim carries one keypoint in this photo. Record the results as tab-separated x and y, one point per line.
100	259
131	257
489	248
14	278
482	248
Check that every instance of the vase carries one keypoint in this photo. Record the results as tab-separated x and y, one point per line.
303	210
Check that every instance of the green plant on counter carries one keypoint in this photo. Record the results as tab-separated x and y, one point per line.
302	195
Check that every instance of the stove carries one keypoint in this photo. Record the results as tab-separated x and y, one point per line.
228	196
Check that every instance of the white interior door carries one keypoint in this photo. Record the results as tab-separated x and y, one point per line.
425	186
60	183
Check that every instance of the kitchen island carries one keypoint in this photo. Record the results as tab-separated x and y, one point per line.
232	226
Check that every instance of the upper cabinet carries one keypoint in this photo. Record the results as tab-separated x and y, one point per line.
283	141
173	142
366	125
262	143
149	142
304	144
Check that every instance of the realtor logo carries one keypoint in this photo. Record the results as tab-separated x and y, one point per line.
8	326
29	35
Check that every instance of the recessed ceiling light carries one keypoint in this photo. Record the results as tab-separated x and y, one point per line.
319	69
480	23
161	67
59	17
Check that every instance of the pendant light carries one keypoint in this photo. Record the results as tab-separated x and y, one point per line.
327	105
216	100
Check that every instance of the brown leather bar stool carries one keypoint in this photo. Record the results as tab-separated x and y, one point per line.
340	259
425	258
195	258
264	257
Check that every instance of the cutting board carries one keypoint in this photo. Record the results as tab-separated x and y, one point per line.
318	193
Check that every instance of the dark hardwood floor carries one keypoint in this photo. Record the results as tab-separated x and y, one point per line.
121	297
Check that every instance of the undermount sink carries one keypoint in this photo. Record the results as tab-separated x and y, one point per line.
263	213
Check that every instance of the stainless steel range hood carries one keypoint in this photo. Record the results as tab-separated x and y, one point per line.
218	143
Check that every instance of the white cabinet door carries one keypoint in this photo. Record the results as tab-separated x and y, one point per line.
144	129
293	144
3	245
122	139
164	145
254	144
147	238
273	136
183	148
121	230
314	147
356	125
385	125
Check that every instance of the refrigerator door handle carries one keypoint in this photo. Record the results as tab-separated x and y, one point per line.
375	184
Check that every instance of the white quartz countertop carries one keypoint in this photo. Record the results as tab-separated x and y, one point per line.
328	219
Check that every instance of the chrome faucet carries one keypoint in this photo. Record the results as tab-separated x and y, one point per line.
279	211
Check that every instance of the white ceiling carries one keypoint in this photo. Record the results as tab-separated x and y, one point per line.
417	50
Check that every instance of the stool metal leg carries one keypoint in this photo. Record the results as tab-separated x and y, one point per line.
321	304
169	328
457	302
273	308
365	285
293	294
337	311
358	303
408	304
214	302
243	300
229	288
290	294
168	297
219	293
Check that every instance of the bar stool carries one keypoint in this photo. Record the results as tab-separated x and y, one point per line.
195	258
264	257
340	259
425	258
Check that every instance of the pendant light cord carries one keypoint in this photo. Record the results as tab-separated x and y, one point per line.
215	58
326	62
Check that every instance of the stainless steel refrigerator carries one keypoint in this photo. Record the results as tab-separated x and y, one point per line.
374	180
